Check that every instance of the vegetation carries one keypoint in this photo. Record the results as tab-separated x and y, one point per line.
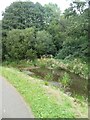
76	66
56	73
36	36
65	80
44	101
28	32
48	77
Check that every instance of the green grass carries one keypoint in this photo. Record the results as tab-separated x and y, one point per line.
55	64
20	63
42	103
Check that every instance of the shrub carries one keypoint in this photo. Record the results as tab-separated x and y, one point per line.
31	54
44	44
18	43
46	83
65	79
48	77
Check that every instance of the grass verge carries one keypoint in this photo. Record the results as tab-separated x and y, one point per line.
44	104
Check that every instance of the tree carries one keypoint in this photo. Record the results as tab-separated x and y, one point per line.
76	41
44	44
18	43
21	15
31	30
52	13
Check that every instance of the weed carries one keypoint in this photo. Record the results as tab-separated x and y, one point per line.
46	83
34	94
65	80
48	77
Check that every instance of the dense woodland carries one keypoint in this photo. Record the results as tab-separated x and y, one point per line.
30	30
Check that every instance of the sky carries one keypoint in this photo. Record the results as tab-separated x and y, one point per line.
63	4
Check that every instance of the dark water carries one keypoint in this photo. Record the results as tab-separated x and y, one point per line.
77	86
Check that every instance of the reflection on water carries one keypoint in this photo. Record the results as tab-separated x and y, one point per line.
78	85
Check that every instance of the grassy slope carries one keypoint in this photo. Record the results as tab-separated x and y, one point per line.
44	101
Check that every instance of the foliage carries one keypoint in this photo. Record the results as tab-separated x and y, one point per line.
19	44
46	83
52	13
37	98
21	15
73	65
78	67
65	80
31	54
44	44
22	44
61	35
30	31
48	77
76	43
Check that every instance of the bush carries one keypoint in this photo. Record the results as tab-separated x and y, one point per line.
44	44
31	54
18	42
65	80
46	83
48	77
